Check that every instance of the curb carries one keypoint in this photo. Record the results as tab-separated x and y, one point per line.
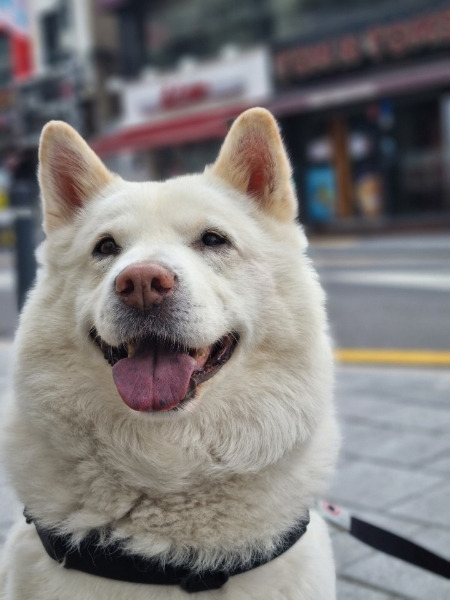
428	358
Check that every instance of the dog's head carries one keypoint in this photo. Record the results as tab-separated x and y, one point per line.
180	298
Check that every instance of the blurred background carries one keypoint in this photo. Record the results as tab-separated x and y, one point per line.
361	90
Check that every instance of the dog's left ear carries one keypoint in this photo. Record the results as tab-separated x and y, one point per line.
70	173
253	160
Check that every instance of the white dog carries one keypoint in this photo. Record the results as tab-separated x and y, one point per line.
173	417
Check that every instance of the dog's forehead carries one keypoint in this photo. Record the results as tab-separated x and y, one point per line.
180	204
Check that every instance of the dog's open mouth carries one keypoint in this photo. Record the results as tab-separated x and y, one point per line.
152	375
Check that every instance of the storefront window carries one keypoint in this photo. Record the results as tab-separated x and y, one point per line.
320	185
420	174
5	59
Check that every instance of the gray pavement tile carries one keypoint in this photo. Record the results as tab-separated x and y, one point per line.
436	539
8	501
440	464
396	447
398	385
348	549
399	417
6	358
431	506
434	419
397	577
9	505
436	395
358	483
347	590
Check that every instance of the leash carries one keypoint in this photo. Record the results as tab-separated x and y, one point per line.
384	540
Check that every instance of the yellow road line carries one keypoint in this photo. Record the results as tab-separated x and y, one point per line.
393	357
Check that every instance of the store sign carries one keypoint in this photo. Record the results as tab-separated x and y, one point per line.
175	96
14	18
376	44
180	95
245	78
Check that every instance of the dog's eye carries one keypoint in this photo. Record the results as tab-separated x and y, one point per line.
212	238
106	247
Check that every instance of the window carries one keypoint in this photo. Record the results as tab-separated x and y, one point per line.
51	37
5	60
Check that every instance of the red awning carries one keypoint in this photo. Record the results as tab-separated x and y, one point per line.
196	127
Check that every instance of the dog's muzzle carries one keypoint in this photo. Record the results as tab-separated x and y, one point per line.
152	374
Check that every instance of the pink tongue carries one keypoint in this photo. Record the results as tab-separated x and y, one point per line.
155	380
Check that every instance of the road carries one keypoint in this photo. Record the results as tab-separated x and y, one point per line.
8	310
382	292
387	292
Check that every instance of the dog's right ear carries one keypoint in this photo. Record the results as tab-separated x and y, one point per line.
70	173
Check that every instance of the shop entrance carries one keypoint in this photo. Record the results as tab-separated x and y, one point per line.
369	162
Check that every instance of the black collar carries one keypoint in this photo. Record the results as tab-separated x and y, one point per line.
112	562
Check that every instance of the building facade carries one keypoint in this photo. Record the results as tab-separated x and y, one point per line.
361	91
75	50
174	121
364	107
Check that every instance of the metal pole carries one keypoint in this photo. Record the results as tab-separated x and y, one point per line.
22	201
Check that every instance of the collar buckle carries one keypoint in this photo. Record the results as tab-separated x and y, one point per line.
200	582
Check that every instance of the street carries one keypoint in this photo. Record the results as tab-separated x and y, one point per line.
387	292
8	310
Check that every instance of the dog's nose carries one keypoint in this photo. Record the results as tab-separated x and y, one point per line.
143	285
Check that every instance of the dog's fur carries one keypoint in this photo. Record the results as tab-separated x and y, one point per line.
222	478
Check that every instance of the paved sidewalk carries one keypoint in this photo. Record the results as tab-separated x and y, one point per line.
394	471
8	502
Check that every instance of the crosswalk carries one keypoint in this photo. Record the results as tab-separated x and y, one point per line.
417	280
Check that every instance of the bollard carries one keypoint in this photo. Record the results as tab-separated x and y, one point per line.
22	201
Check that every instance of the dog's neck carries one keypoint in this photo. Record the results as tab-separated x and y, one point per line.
217	518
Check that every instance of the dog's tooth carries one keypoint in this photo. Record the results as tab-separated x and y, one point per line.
198	353
131	350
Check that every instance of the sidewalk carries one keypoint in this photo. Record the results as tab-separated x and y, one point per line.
394	471
7	498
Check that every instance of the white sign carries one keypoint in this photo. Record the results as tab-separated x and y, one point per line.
244	77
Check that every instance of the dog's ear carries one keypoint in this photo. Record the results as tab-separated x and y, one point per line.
69	173
253	160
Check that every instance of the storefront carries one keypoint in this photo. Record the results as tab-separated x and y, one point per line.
16	65
366	119
184	115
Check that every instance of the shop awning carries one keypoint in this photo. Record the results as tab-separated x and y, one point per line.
188	128
361	88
